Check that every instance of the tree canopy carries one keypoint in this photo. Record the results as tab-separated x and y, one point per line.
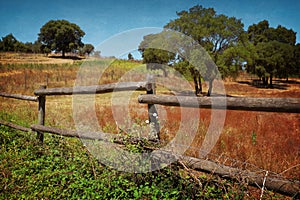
9	43
262	50
61	36
275	51
212	31
87	49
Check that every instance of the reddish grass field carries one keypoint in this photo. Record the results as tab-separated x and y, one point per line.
249	140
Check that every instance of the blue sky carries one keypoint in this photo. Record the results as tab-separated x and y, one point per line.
101	19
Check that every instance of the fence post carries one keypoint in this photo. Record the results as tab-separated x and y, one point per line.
152	112
41	114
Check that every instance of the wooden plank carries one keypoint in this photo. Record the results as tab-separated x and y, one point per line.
15	126
288	105
19	96
96	89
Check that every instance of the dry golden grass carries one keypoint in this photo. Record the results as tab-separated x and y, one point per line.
24	58
270	141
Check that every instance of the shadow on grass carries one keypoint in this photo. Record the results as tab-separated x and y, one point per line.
277	84
67	57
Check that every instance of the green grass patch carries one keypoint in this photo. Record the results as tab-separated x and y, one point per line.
63	169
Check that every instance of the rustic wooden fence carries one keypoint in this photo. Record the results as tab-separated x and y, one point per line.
288	105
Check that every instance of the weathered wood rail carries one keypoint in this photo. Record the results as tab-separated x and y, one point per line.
15	126
96	89
288	105
19	96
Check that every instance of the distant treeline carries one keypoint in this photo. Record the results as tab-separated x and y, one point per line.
9	43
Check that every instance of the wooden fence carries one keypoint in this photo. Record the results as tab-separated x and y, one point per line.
288	105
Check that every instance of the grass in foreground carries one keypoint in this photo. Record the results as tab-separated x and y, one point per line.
62	168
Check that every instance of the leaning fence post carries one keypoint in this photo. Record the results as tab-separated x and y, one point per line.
152	112
41	114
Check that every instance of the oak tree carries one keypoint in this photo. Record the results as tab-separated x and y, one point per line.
61	36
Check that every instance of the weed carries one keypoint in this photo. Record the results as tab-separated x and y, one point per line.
253	137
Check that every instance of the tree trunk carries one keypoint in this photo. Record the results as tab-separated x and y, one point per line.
271	81
196	84
63	53
200	83
265	81
210	87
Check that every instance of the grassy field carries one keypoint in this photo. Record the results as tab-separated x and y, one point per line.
250	140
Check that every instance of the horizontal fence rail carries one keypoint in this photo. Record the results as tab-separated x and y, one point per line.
96	89
288	105
108	137
19	96
73	133
15	126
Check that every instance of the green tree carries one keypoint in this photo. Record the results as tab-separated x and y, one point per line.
155	58
296	70
275	49
171	48
212	31
130	56
9	43
21	47
87	49
36	47
97	54
61	36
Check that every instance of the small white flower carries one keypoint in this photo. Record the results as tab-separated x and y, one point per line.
154	114
147	121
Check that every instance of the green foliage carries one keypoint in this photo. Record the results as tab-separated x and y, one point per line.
61	36
10	44
213	32
275	51
130	56
63	168
87	49
253	137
